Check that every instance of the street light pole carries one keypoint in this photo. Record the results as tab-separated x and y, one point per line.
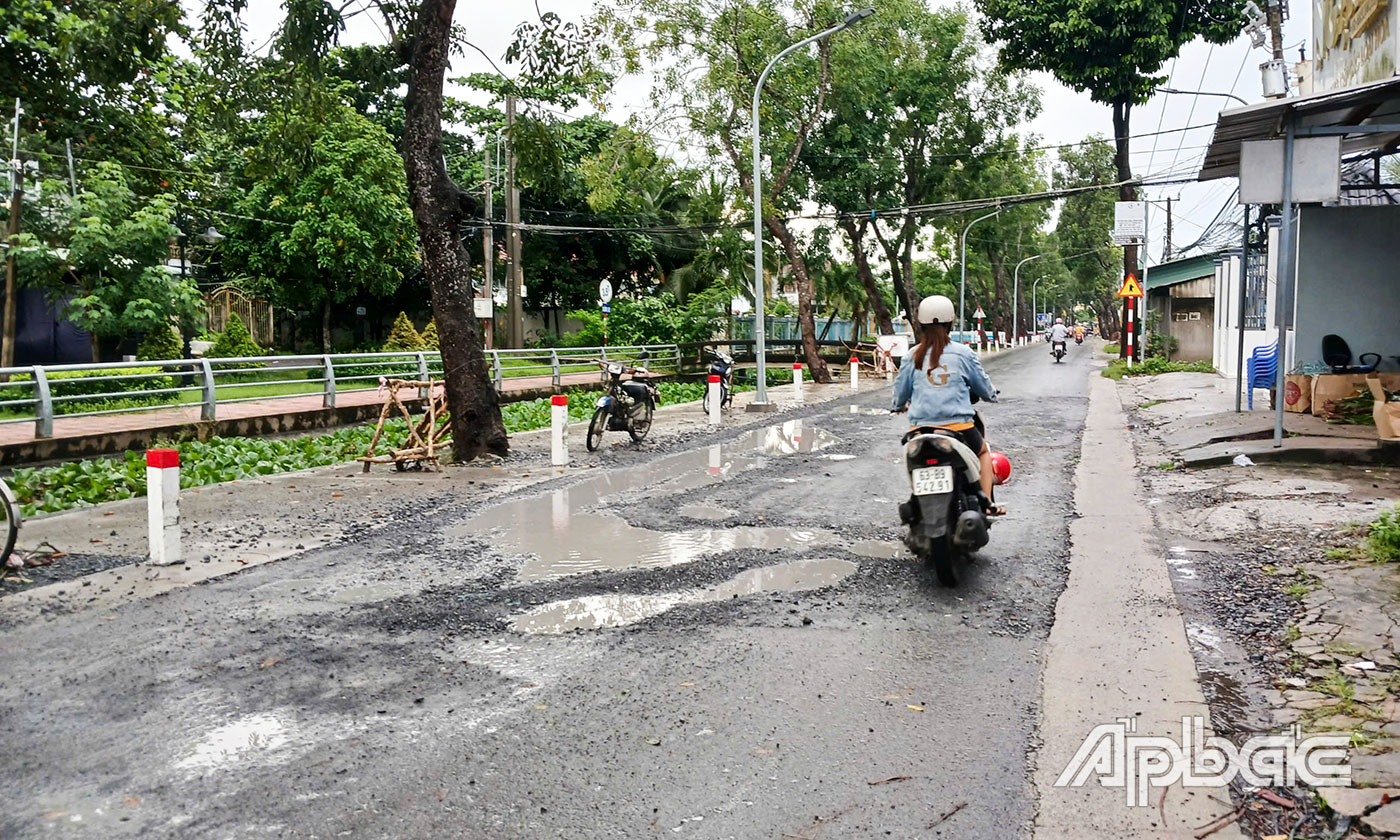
1241	99
1016	298
1034	309
760	397
962	288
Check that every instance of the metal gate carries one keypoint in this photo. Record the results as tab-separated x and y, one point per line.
255	312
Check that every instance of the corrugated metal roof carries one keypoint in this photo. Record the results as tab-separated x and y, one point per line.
1376	103
1181	271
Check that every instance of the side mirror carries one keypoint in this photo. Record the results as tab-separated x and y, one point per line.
644	355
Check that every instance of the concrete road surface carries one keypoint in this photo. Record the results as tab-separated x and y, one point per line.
720	638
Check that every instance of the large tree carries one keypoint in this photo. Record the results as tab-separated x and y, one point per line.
1111	49
713	52
1083	229
326	224
916	112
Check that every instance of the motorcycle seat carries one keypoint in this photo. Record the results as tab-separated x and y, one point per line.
972	465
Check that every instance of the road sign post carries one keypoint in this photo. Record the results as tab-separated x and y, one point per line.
1130	292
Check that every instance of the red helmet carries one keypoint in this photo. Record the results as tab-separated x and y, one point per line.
1001	467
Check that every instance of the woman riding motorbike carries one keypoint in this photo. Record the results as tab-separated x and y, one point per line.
936	382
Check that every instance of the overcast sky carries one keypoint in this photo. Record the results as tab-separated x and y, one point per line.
1067	116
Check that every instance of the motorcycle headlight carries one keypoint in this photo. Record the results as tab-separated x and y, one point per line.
602	402
615	369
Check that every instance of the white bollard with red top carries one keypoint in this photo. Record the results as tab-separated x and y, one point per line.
163	505
797	380
889	365
559	430
712	399
855	374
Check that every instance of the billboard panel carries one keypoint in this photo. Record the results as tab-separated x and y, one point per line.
1354	42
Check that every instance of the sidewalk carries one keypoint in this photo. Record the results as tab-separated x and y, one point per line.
1195	417
1290	622
87	436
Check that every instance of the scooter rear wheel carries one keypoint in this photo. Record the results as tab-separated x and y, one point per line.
941	556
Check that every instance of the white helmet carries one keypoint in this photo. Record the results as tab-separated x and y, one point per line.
1059	320
936	309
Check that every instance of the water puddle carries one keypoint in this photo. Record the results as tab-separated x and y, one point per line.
707	512
564	534
242	739
839	456
594	612
877	549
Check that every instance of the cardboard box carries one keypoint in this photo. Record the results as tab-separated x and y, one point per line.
1297	392
1385	412
1328	387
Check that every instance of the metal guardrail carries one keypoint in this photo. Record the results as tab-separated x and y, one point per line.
38	393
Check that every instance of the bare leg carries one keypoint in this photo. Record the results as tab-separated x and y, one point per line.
988	473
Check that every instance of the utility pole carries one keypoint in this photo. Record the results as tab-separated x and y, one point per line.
1274	73
488	252
7	338
1167	246
516	328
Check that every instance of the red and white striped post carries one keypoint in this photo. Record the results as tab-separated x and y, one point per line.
559	430
855	374
1131	328
716	465
163	505
712	396
797	380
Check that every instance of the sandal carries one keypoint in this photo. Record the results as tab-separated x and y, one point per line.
996	510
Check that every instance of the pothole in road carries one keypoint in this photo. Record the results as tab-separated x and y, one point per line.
563	536
594	612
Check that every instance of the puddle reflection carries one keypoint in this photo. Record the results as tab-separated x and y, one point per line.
595	612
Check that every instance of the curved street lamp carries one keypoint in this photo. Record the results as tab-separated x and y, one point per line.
962	288
1016	298
760	397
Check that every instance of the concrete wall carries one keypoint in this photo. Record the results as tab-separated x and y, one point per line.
1348	282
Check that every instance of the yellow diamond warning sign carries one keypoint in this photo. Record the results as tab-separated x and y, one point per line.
1130	287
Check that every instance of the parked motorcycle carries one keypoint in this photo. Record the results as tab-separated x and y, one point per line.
1058	349
627	406
721	365
945	514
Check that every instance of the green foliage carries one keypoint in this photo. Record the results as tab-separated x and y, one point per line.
160	344
651	320
235	341
1110	50
337	218
113	243
402	336
1383	537
1084	225
1160	344
430	335
1118	368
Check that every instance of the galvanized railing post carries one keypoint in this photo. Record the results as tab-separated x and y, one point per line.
423	374
677	348
496	370
206	378
43	404
328	400
554	365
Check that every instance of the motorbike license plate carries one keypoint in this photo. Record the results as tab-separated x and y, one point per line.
932	480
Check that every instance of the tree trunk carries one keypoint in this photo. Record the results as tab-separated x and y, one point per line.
867	277
439	207
326	326
902	284
1126	192
806	317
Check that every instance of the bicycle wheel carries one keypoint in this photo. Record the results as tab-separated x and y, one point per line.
12	521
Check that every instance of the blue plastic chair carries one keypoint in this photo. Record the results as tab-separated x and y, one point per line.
1262	369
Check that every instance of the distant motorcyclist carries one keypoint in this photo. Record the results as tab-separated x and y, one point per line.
1059	332
937	381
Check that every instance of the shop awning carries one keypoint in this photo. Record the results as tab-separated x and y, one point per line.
1372	105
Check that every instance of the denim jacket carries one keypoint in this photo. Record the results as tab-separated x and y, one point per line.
943	394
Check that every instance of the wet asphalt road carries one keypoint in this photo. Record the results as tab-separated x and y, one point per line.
719	693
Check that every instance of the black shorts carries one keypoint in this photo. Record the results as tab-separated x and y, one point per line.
973	439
